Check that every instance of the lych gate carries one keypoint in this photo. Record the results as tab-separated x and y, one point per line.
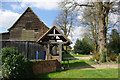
54	40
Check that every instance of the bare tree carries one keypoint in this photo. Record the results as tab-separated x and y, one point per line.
90	20
66	18
102	10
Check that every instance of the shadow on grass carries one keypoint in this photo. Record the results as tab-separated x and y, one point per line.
72	66
67	55
77	65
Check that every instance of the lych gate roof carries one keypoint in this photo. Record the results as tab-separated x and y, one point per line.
54	34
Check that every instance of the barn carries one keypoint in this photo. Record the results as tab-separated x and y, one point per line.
33	38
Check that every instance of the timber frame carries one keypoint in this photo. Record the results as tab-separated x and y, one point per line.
54	37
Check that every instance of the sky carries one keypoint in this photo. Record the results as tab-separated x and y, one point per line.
46	10
10	12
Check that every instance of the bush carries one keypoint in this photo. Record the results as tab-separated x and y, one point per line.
82	47
112	56
15	66
91	60
104	56
119	59
6	52
96	56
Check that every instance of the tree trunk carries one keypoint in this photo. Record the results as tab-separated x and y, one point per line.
102	27
96	47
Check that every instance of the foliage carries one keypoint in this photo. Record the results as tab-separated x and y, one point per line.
6	52
105	57
74	55
91	60
96	56
15	66
82	47
112	56
114	44
119	59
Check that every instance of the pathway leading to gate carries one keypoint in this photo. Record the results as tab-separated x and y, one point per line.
97	66
78	58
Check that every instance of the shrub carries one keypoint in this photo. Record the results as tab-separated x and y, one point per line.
82	47
112	56
6	52
104	56
119	59
96	56
16	66
91	60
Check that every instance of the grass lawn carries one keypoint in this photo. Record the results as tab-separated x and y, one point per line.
76	63
74	55
80	63
94	73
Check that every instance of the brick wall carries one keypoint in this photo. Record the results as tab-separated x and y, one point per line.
45	66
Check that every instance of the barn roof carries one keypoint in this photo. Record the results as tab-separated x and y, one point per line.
22	16
62	36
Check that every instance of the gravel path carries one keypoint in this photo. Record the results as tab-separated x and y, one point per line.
97	66
78	58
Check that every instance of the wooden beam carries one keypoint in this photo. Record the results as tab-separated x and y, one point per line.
60	53
54	35
55	39
48	51
54	32
55	42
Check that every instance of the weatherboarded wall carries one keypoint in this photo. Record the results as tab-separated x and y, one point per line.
27	21
29	48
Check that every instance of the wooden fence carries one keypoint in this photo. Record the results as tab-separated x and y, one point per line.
29	48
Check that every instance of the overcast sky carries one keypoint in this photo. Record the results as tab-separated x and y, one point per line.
46	10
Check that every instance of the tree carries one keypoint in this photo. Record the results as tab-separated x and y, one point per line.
83	46
102	10
65	19
90	20
114	42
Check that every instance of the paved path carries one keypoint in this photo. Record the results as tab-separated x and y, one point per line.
78	58
98	66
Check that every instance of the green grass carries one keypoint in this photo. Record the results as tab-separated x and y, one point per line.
74	55
76	63
95	73
80	63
